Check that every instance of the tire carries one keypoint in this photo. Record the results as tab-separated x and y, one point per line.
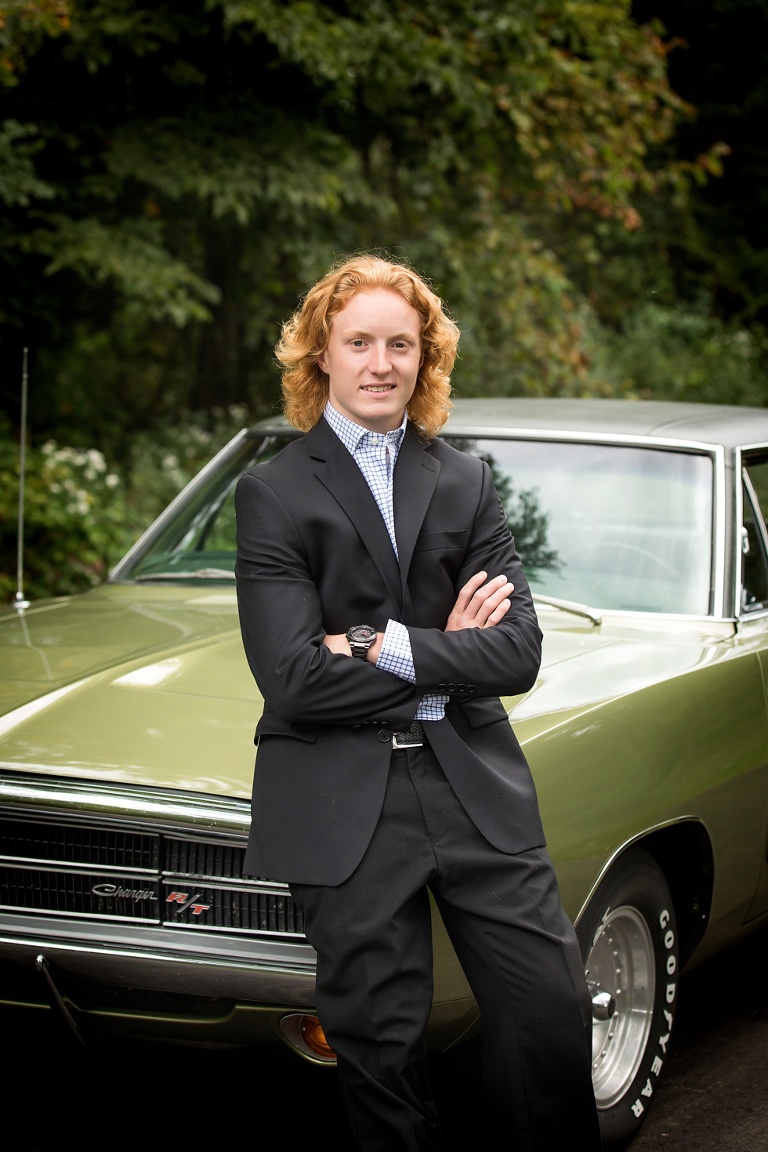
629	944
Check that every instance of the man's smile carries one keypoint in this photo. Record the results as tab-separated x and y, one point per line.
372	358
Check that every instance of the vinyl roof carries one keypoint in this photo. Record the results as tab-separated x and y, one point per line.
706	423
729	425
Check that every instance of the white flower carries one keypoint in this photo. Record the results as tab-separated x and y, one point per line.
96	460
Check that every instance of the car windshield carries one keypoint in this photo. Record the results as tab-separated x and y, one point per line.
195	538
611	526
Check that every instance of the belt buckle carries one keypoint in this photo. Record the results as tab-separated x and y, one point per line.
409	744
401	740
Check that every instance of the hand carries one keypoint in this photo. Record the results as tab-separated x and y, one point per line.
338	643
480	604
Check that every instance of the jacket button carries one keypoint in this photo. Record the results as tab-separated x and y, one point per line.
384	735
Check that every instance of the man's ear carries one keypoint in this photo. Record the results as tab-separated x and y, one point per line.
321	362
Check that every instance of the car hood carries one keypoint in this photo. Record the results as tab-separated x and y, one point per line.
55	643
149	685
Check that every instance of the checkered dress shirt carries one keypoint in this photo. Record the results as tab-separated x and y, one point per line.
375	454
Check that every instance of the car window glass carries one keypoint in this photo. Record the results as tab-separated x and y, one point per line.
754	558
198	541
611	526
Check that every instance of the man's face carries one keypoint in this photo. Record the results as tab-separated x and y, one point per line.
373	358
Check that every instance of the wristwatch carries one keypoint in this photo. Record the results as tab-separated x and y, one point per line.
360	637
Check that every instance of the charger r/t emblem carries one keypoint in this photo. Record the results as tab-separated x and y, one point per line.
184	900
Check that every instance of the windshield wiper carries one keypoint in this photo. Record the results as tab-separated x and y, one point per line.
198	574
572	607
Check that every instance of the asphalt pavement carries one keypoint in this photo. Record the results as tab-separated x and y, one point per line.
713	1096
56	1095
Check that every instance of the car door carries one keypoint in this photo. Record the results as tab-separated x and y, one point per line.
753	597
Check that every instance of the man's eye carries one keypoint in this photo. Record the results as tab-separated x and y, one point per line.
357	343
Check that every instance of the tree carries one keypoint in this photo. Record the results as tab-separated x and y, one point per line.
719	64
176	175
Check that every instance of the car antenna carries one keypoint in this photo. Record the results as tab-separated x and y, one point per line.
20	602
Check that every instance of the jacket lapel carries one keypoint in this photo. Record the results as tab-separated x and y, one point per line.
338	472
416	474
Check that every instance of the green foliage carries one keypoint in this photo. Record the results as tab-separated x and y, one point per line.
164	460
536	345
19	184
679	353
24	26
73	509
154	285
719	63
188	170
81	515
173	177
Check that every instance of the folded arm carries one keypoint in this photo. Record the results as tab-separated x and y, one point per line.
481	603
282	626
491	637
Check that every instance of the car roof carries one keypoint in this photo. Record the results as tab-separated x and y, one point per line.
729	425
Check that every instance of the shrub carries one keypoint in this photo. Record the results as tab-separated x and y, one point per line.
74	506
81	514
682	353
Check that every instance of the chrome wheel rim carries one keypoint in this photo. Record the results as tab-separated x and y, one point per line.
621	963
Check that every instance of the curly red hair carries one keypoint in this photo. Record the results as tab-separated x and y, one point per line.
305	337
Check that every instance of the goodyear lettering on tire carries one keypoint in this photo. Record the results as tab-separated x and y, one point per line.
670	992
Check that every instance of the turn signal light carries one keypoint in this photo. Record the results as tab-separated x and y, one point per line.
314	1037
304	1033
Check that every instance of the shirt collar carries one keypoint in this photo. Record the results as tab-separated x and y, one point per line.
352	435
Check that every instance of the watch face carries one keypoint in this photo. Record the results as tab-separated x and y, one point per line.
362	634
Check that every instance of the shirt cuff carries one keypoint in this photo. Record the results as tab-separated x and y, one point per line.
395	655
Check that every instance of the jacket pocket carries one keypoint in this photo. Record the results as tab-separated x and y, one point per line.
272	725
447	540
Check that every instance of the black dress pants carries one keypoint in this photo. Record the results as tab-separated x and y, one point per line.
518	950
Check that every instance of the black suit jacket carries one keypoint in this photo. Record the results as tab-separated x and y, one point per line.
314	557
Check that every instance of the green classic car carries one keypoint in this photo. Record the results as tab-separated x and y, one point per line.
126	745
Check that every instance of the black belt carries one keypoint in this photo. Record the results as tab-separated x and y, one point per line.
413	737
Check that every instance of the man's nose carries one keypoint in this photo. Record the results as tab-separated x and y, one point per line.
381	360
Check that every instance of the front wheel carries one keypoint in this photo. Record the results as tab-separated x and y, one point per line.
628	938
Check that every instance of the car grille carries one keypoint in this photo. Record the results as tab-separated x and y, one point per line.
88	871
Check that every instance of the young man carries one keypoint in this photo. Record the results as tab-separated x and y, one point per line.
384	610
